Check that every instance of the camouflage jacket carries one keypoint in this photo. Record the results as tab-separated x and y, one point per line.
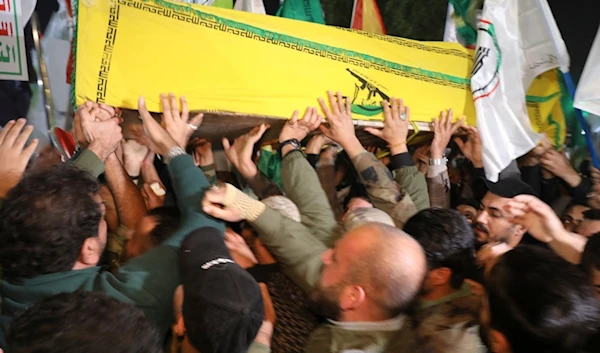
394	198
450	324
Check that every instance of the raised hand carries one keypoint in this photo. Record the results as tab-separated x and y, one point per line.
239	250
341	127
542	147
329	155
102	136
395	125
179	126
489	253
160	140
214	202
134	154
14	156
443	129
99	112
316	143
558	164
202	152
421	158
471	149
595	174
240	153
153	190
299	129
536	216
77	130
104	112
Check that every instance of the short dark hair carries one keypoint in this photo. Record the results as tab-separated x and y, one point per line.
540	302
44	221
167	222
90	322
590	259
576	202
592	214
447	239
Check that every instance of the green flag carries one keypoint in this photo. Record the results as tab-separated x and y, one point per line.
270	163
302	10
464	20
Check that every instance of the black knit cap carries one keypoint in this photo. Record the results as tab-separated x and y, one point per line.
222	306
507	188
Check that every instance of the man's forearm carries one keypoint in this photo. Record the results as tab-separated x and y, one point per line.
353	148
384	193
130	204
438	185
293	245
301	185
569	246
262	186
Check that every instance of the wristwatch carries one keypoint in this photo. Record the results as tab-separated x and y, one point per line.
438	161
293	142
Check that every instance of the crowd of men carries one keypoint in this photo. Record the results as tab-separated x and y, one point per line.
149	245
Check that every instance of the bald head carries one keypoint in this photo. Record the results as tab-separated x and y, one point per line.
391	265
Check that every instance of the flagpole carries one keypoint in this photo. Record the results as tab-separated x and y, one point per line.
353	13
582	122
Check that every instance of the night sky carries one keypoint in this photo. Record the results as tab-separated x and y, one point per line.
578	21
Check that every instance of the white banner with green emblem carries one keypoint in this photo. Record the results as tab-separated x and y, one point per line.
513	47
13	62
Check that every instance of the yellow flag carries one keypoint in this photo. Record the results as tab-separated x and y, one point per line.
545	112
232	61
226	60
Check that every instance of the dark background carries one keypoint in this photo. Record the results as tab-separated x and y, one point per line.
578	21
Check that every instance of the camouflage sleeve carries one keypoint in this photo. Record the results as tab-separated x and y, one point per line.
384	193
413	182
115	246
264	187
438	184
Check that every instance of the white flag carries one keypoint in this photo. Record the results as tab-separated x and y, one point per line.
587	97
254	6
450	28
517	41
